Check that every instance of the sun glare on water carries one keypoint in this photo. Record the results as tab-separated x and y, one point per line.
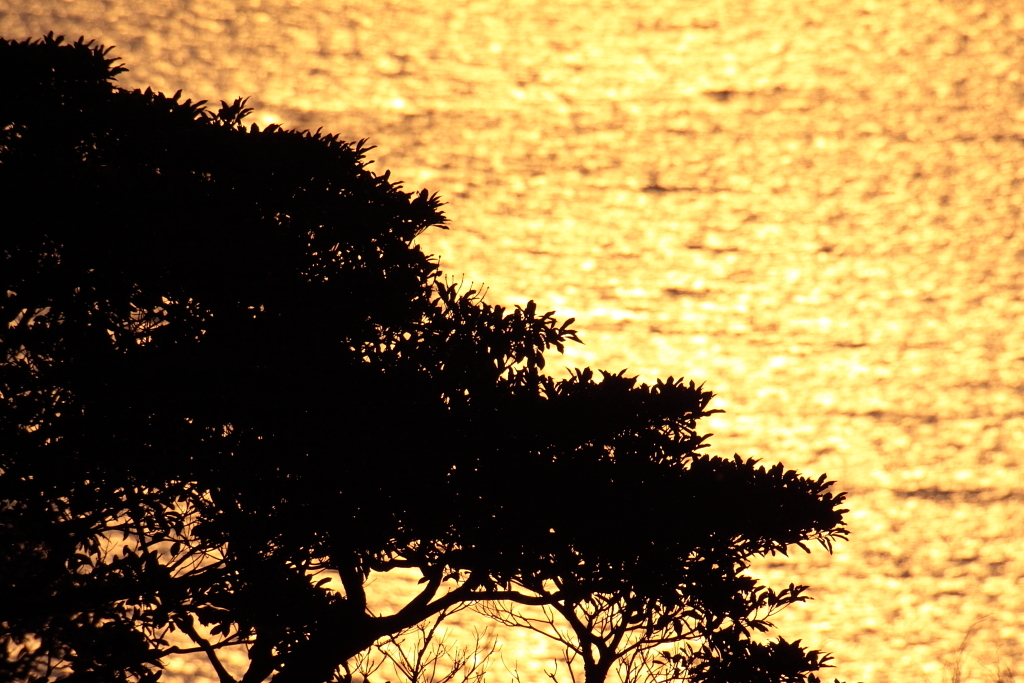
812	207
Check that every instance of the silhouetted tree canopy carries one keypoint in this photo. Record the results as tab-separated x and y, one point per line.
230	375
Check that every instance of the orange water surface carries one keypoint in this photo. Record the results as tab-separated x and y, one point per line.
814	206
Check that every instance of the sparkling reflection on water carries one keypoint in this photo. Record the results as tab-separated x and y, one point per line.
814	207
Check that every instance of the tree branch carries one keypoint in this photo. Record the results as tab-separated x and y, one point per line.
428	592
355	594
520	598
188	626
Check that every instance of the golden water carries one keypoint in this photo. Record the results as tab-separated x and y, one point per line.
814	206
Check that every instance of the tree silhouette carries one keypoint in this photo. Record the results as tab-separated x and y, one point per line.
233	387
624	635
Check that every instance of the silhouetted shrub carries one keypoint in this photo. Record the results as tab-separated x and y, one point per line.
230	376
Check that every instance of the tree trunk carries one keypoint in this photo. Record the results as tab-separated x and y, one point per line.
597	671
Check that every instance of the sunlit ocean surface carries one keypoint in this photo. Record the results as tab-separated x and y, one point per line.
813	206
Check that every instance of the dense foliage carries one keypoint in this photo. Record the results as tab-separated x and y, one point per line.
233	387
